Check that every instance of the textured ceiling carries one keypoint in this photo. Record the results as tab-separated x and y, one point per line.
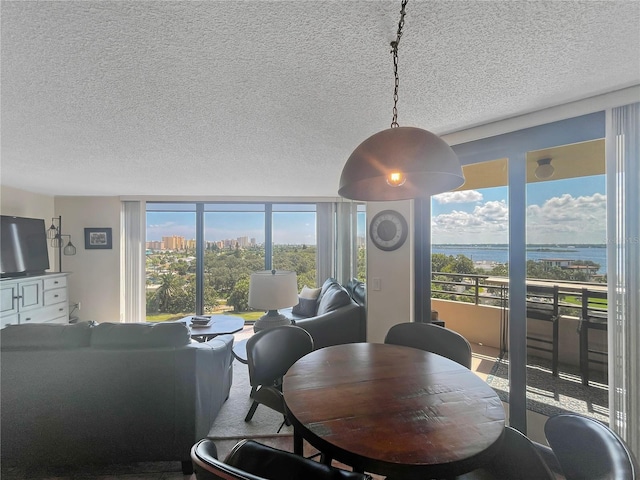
269	98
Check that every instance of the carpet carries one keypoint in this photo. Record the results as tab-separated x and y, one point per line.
230	420
549	395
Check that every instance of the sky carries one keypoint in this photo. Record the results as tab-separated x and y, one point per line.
288	228
570	211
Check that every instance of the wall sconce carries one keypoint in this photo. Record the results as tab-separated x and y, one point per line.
54	233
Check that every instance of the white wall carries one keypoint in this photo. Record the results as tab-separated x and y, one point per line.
21	203
95	274
393	303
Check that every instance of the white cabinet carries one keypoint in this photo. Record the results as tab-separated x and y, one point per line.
38	299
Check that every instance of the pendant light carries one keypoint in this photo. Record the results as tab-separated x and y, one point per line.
400	163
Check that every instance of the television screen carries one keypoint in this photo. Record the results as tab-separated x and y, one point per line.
23	246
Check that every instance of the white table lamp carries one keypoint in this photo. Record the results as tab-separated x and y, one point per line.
270	290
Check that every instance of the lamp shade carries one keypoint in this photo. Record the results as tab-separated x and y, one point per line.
273	289
400	163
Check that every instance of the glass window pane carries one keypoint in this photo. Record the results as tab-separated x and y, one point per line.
234	248
294	241
566	280
361	235
170	261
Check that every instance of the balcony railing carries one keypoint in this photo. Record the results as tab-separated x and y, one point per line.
563	307
573	298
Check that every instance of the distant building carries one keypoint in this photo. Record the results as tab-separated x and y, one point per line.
155	245
556	262
590	270
174	242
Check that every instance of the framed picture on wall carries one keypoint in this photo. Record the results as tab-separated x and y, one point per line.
97	238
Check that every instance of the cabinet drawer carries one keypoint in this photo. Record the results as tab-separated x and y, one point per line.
8	320
52	297
55	282
45	314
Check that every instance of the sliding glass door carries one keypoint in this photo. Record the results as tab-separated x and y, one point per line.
526	208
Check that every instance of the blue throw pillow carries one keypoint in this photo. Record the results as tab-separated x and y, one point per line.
306	307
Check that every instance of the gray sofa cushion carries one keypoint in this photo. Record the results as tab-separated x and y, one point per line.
356	289
45	336
332	298
306	307
140	335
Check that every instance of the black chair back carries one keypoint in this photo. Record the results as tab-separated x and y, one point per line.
431	338
250	460
589	450
271	352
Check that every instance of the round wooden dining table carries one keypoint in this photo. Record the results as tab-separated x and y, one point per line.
393	410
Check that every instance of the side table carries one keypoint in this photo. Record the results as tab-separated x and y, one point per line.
240	351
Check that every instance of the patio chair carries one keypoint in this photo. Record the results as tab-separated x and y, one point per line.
270	353
589	450
431	338
543	304
593	317
250	460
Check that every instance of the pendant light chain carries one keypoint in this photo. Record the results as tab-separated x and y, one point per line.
394	51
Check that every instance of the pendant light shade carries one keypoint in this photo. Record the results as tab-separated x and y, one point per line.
400	163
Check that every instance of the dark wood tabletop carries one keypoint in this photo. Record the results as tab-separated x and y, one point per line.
219	325
393	410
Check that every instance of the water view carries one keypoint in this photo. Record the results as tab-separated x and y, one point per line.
499	253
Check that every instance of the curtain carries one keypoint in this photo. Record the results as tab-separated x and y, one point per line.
623	260
325	230
347	241
132	276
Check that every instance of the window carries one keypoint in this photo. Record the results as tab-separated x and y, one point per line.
199	256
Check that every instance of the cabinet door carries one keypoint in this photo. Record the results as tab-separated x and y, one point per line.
9	299
30	295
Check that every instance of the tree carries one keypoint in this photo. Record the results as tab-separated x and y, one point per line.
239	297
169	289
439	261
501	270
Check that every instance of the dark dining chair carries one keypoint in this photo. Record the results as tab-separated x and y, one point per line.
516	459
250	460
589	450
432	338
270	353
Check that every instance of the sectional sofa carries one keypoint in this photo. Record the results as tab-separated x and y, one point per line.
109	393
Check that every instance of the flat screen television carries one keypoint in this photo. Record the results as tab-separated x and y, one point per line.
23	246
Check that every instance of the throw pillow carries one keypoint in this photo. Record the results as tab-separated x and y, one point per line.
312	293
333	298
306	307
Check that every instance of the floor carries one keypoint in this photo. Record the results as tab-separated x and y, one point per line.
482	362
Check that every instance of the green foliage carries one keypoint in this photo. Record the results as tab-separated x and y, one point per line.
239	298
450	264
226	276
501	270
